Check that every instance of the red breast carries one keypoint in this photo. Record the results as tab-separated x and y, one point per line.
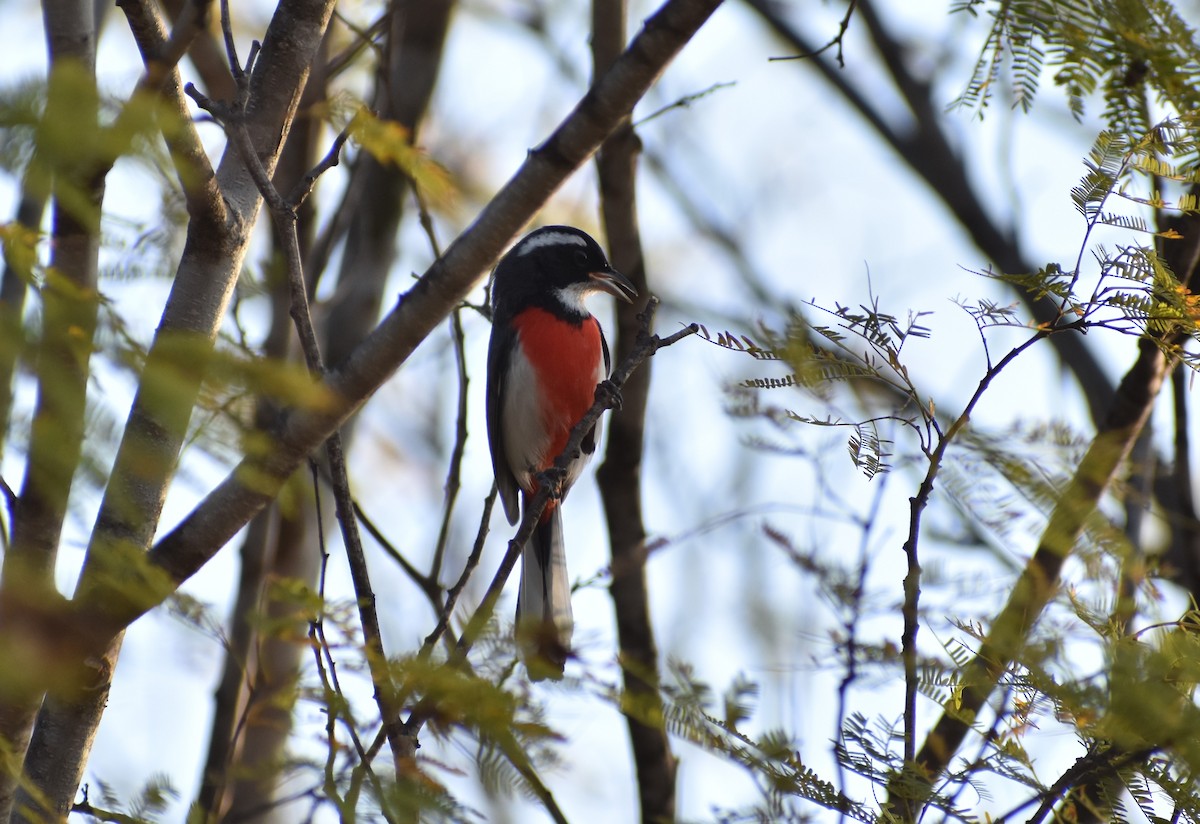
566	357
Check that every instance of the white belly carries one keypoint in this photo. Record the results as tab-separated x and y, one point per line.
527	440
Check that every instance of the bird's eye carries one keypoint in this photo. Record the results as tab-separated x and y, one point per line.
581	257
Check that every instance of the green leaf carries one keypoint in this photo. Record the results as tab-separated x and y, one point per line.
391	144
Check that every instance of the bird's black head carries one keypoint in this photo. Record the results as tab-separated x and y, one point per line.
555	267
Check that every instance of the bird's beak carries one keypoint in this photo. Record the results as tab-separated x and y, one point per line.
616	284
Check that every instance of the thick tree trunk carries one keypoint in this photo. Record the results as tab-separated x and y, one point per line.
170	383
69	308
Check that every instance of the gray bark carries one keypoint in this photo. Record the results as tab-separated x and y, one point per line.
170	383
69	309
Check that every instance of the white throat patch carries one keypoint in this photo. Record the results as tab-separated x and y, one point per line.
548	239
573	296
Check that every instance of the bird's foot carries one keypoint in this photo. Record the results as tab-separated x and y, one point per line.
608	394
552	478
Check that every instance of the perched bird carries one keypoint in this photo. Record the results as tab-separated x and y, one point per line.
546	356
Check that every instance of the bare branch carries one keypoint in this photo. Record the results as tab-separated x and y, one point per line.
469	567
837	40
158	421
186	548
619	477
160	55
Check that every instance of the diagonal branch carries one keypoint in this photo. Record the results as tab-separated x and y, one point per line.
258	478
1038	582
160	53
1115	438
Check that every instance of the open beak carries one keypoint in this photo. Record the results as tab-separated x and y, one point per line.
616	284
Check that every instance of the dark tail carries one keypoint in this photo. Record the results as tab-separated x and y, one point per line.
544	622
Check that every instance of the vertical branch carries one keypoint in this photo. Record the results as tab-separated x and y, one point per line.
217	239
906	801
404	86
405	81
231	701
284	215
619	477
253	708
1185	549
454	473
69	310
14	289
273	668
851	627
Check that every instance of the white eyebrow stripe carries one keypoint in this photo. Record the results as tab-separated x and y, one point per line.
548	239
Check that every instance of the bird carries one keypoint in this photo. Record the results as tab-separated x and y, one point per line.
546	356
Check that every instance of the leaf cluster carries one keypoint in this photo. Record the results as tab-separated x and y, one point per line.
820	358
772	758
1136	54
1119	712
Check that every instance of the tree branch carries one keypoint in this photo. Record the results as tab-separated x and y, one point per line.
70	303
160	54
258	478
619	477
1039	580
161	411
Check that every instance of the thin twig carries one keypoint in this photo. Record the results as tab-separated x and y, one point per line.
364	38
423	583
329	680
317	628
457	337
836	40
912	578
284	216
304	188
851	626
454	472
235	67
684	102
456	590
334	699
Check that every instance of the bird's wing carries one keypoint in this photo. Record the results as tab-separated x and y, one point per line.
589	440
604	349
500	349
